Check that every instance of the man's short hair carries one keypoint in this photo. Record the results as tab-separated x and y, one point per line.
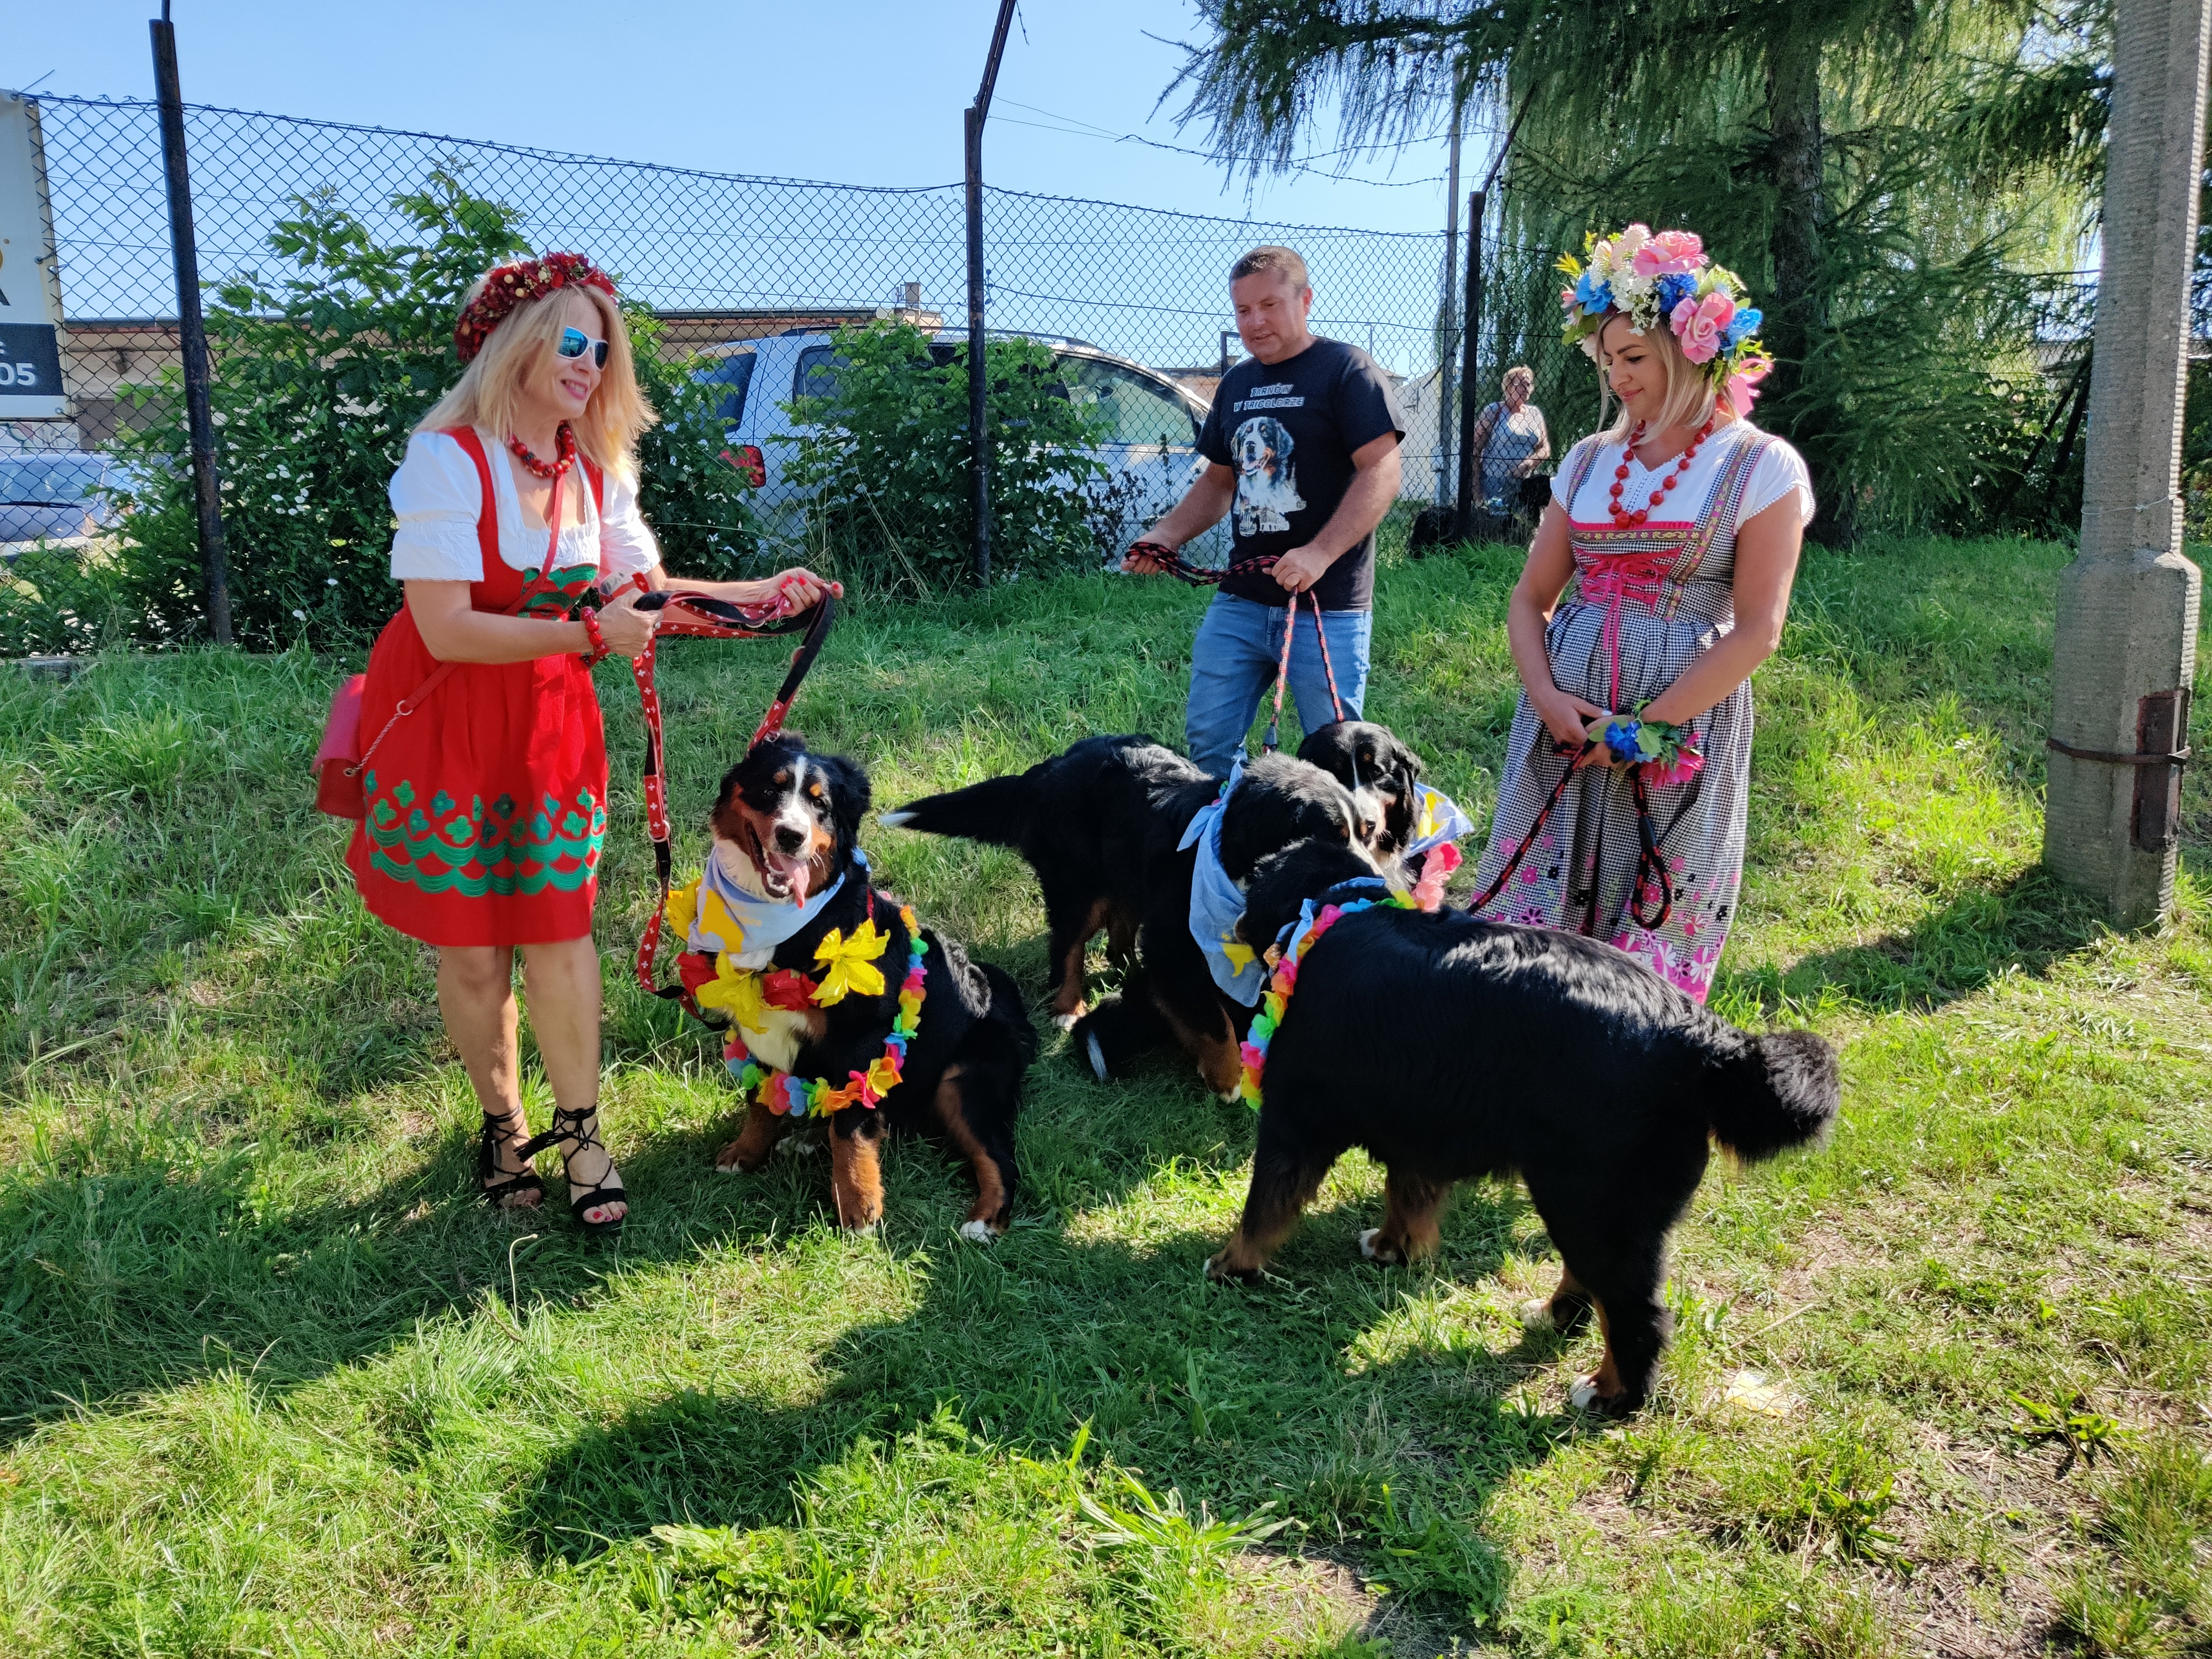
1283	259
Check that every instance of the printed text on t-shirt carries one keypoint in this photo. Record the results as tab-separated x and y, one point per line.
1269	397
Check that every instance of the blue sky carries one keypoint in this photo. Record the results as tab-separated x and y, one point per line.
837	89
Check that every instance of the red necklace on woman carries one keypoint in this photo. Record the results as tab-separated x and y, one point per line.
1623	518
564	447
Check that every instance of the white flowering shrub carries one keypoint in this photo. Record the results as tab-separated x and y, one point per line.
317	381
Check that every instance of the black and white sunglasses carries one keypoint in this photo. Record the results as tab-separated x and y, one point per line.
575	342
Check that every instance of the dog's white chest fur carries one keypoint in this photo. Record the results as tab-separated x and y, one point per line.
777	1045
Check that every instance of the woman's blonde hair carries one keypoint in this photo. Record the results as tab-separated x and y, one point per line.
1518	372
491	386
1690	396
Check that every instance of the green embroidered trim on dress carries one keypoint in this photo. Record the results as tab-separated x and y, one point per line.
478	852
569	582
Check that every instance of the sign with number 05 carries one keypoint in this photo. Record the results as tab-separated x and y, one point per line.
30	285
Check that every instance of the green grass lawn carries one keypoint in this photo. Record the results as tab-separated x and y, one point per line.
272	1382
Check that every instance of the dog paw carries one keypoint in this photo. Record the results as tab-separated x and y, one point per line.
1098	1057
1584	1396
1389	1254
978	1232
797	1146
730	1160
1536	1316
1218	1271
1067	1021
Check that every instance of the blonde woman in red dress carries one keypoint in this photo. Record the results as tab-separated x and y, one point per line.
487	796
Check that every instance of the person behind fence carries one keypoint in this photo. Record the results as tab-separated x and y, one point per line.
486	781
1681	523
1302	444
1511	437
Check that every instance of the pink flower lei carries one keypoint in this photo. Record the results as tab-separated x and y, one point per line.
1649	277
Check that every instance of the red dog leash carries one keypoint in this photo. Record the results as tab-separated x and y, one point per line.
699	616
1174	564
1651	872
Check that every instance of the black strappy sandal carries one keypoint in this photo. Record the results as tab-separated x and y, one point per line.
578	1127
501	1192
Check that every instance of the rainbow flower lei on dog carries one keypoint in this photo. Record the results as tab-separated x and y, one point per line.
1646	276
1275	1000
849	964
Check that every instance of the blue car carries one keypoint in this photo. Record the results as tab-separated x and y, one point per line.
56	496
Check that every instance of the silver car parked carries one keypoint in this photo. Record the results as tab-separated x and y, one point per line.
1149	450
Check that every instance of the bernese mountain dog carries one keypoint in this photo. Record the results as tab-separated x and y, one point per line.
786	824
1103	826
1089	822
1383	774
1450	1048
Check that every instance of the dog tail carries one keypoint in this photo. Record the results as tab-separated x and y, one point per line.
996	811
1775	1092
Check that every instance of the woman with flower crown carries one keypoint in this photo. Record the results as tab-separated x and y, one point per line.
1621	814
485	778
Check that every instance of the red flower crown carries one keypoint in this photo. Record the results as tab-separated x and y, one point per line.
508	286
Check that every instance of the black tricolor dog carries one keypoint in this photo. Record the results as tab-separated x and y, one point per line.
1089	822
1100	825
1450	1048
785	824
1384	775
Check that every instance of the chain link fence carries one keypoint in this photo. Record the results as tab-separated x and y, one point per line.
730	262
721	259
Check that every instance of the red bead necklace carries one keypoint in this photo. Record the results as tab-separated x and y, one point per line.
564	446
1624	519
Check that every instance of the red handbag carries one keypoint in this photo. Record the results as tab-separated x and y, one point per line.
338	775
338	766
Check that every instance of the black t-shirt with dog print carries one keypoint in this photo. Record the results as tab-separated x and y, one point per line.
1289	430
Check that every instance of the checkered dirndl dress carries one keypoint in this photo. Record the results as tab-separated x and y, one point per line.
1647	602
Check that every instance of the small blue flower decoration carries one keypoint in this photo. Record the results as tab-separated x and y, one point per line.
1623	738
1675	287
1742	327
1592	295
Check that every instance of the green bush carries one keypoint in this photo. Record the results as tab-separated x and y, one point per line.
885	457
317	382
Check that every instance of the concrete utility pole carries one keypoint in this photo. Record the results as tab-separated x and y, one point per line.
2126	646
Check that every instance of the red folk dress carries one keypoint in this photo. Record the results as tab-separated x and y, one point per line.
487	806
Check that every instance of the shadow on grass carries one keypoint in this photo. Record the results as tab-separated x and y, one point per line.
2026	923
139	1262
1235	1396
144	1278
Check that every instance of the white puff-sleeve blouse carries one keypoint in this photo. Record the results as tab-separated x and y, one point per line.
1775	474
437	497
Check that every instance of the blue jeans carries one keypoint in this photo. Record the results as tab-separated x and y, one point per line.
1232	667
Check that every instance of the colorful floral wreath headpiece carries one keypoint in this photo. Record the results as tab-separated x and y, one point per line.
1645	276
508	286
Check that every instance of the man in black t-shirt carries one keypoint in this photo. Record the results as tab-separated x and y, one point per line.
1302	442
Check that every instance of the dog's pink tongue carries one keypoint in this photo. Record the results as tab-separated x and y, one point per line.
797	871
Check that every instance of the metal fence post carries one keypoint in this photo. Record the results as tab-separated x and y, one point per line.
1444	459
1467	459
191	328
979	450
